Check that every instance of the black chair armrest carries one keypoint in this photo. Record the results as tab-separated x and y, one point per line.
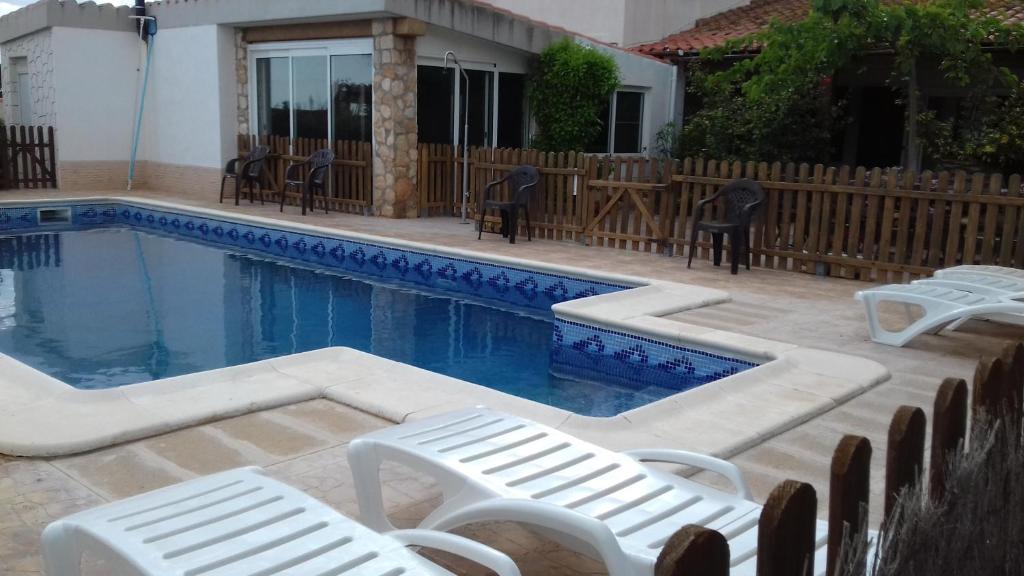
230	167
487	190
529	185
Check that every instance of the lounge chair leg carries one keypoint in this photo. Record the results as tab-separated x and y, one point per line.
716	247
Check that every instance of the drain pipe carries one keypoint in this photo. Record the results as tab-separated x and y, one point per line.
465	137
147	33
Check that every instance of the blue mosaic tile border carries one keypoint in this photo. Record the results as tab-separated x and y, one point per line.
636	361
506	284
18	218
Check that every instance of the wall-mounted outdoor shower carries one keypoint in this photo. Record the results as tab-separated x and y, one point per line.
455	138
147	33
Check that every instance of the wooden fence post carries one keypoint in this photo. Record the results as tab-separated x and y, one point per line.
694	550
785	534
990	389
849	489
1013	356
904	459
949	430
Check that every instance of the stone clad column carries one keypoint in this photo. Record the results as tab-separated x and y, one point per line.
395	156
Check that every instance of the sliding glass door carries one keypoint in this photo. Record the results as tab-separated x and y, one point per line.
312	90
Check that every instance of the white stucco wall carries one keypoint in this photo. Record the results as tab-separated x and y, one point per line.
37	51
472	52
657	80
191	104
598	19
96	73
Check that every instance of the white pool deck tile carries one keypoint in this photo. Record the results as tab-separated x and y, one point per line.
304	443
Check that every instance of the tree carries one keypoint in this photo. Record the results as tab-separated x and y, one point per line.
778	105
568	91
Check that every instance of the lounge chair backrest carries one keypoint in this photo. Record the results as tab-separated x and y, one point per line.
319	167
522	183
743	198
254	161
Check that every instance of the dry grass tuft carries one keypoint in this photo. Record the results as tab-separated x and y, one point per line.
977	529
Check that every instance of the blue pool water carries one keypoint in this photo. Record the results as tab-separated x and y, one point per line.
115	306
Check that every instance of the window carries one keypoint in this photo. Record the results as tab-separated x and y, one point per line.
497	107
622	130
511	110
310	90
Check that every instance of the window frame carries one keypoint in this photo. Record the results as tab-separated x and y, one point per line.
290	50
612	120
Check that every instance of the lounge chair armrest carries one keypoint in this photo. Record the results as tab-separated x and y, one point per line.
551	516
727	469
483	555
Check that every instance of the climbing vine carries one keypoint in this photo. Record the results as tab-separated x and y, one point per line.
568	91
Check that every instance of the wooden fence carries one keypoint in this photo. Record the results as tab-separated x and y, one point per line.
27	157
351	182
786	530
876	225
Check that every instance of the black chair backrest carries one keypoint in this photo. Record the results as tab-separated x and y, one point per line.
255	161
738	195
320	166
522	183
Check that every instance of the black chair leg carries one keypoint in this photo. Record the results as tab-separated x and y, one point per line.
327	209
716	247
283	194
259	187
480	224
305	199
513	225
529	227
746	248
223	181
693	245
735	249
504	223
238	189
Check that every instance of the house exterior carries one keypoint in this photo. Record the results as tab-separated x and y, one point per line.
369	70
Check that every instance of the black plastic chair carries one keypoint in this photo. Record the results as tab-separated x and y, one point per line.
743	200
319	166
248	174
523	182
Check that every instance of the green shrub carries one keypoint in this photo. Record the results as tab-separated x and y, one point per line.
568	92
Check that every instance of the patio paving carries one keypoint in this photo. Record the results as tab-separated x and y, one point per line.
304	444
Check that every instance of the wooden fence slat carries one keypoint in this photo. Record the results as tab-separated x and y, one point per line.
849	487
1008	236
904	456
989	237
786	531
949	430
694	550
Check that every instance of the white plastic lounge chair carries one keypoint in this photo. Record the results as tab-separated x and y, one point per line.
942	306
242	523
1004	271
994	285
497	467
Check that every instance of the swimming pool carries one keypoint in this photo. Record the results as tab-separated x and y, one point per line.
122	295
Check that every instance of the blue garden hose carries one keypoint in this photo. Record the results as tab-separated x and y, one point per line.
150	31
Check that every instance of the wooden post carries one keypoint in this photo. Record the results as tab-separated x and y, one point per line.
785	536
694	550
904	458
949	430
989	391
849	488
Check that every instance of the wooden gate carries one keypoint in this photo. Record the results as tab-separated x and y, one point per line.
27	157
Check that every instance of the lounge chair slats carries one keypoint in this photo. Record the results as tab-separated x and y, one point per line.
241	523
493	466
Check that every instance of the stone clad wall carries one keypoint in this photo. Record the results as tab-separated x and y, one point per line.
395	157
38	53
242	74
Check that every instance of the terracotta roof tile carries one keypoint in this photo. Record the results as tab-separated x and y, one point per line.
756	16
